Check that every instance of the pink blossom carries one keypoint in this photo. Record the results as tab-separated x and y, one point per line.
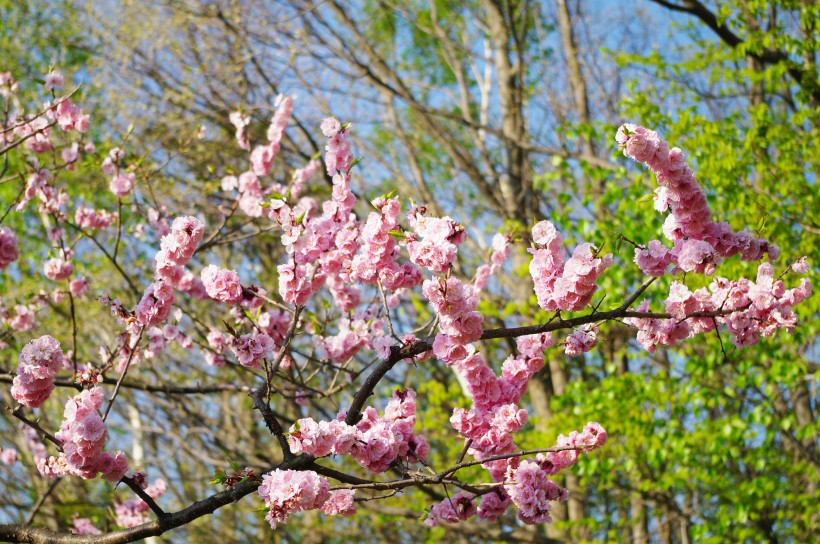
532	493
654	259
178	246
279	122
262	157
459	507
58	269
8	456
800	266
83	526
83	434
697	256
155	305
54	80
581	340
690	217
70	155
288	491
250	349
134	511
330	127
89	218
222	284
23	319
340	503
493	505
79	287
122	183
39	361
240	121
8	247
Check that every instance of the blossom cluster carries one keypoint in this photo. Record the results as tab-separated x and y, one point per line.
83	435
434	242
699	242
375	441
287	491
134	511
563	284
499	255
8	456
176	249
489	425
83	526
8	247
754	310
39	362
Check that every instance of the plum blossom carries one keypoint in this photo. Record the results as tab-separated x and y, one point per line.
39	362
690	218
459	507
58	269
581	340
287	491
8	247
222	284
122	183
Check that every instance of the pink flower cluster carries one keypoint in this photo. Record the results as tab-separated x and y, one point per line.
500	254
559	284
23	318
591	437
376	262
459	322
39	362
338	157
262	156
251	349
532	492
434	243
58	269
83	435
459	507
240	122
340	503
222	284
756	309
489	425
177	247
699	242
8	247
83	526
122	183
352	336
69	116
37	132
581	340
155	305
8	456
158	339
375	441
301	176
289	491
134	511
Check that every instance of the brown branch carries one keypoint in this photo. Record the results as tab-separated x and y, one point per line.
272	423
150	388
37	535
144	496
124	372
